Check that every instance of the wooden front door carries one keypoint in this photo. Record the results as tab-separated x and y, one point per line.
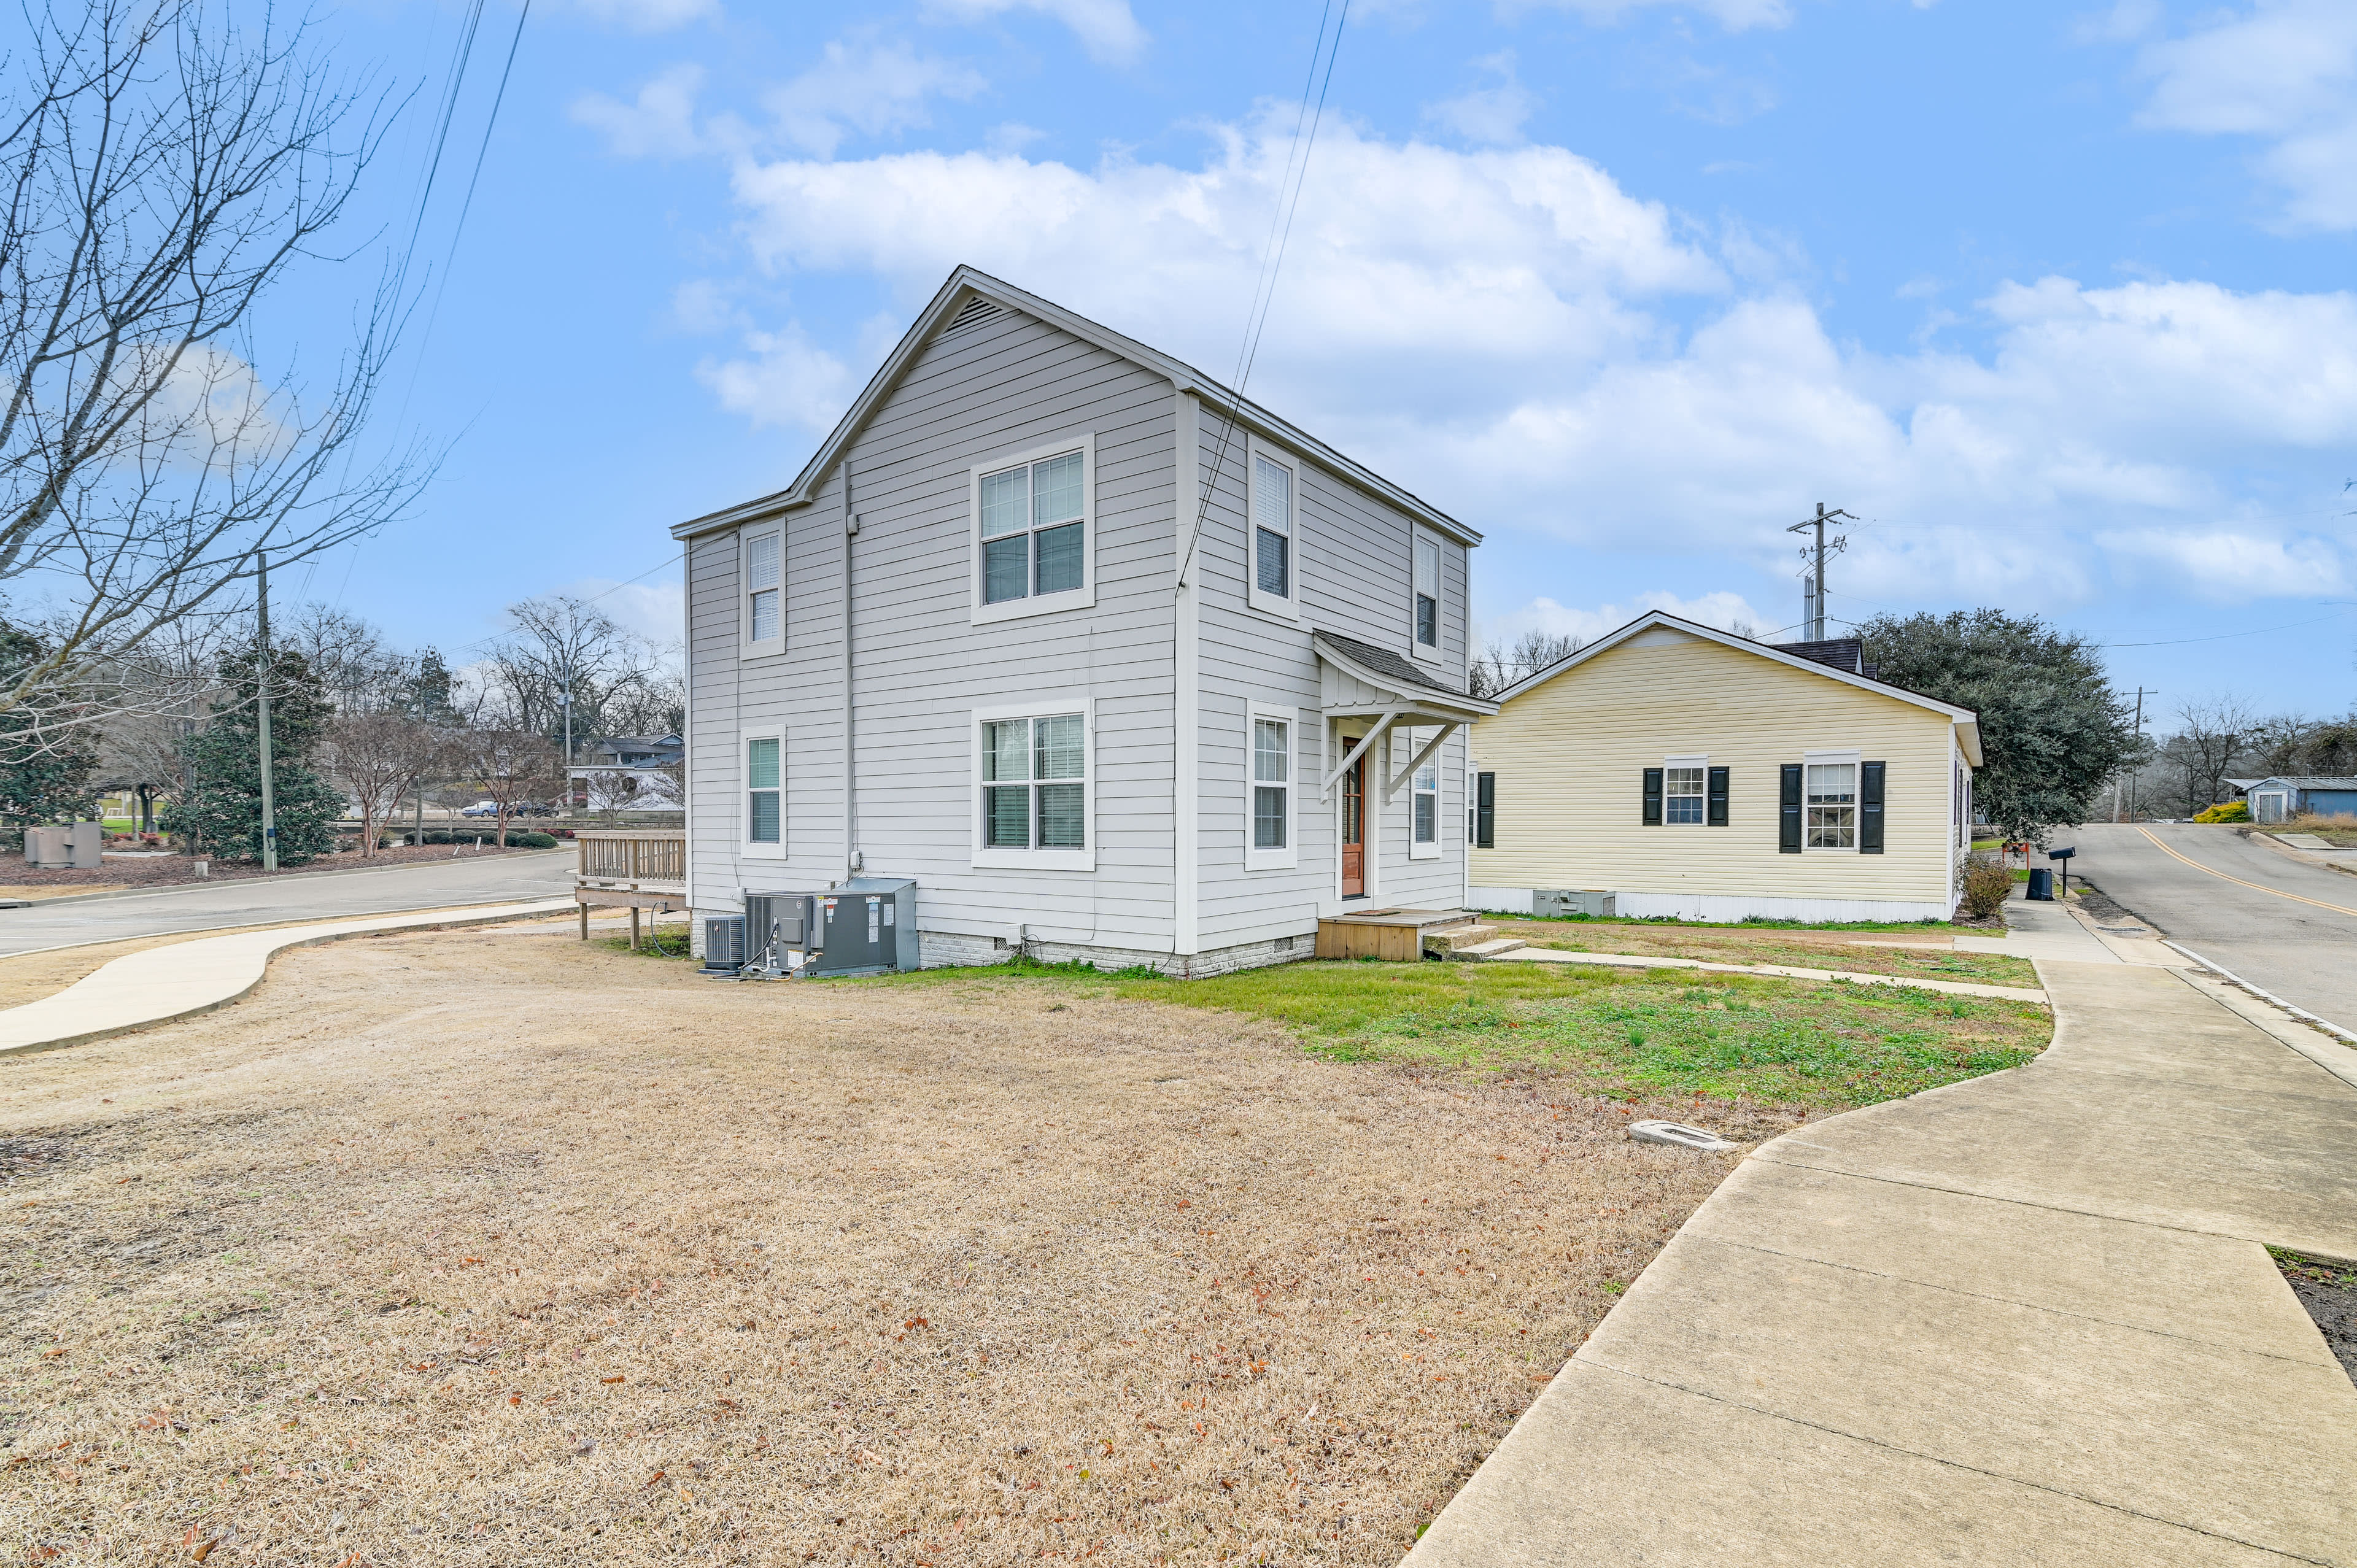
1354	830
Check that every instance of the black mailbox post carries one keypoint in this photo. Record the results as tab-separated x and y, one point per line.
2061	857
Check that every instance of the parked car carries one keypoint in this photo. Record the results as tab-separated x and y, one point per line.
482	808
524	809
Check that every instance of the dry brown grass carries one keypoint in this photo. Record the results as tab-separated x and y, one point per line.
1859	951
456	1249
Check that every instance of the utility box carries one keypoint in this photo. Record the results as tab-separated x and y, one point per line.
1556	903
779	921
86	845
48	848
723	944
868	926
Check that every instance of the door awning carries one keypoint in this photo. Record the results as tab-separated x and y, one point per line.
1358	680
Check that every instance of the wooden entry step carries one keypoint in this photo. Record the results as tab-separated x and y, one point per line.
1399	935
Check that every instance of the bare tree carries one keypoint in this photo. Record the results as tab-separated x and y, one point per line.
2211	739
512	768
563	645
381	757
360	673
1499	668
165	174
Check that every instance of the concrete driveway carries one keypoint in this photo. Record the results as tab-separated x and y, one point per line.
2284	925
311	896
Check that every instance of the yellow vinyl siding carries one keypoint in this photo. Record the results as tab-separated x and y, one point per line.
1570	755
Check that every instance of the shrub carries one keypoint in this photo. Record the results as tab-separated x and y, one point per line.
1988	883
532	840
2231	811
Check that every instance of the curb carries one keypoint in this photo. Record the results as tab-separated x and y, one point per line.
2345	1036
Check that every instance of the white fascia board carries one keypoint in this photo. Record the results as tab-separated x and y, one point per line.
1652	618
965	281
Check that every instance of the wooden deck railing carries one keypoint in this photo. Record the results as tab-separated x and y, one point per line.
655	860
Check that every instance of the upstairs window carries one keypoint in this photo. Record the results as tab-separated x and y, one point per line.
1272	567
764	609
1427	591
1033	517
1035	783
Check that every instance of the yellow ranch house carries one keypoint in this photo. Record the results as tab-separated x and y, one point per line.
1690	772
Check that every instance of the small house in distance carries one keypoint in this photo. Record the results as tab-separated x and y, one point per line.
1113	664
1691	772
2286	796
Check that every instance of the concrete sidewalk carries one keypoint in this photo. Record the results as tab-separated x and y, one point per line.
158	984
2025	1318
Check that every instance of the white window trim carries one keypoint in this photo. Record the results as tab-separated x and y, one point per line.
1413	740
1046	705
746	847
768	647
1701	760
1288	606
1080	598
1429	654
1289	857
1815	759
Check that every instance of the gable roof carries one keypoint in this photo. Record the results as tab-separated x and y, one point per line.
2331	782
1380	667
1967	722
949	308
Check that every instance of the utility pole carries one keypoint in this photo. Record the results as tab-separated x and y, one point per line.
1813	599
565	697
2142	693
261	707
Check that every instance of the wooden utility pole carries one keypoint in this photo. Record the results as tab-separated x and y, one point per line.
262	709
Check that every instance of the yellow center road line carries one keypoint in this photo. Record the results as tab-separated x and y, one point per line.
2237	881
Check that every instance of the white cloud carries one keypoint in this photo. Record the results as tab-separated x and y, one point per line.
787	381
2229	566
661	123
2285	71
1729	612
1487	114
873	89
1735	16
1505	332
649	16
1107	28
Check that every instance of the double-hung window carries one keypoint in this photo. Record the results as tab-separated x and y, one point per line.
765	820
764	608
1427	591
1832	805
1682	790
1268	845
1426	788
1033	783
1033	515
1274	568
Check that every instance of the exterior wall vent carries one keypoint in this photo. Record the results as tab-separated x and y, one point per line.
973	313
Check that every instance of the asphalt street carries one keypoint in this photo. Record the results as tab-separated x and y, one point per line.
2286	927
309	896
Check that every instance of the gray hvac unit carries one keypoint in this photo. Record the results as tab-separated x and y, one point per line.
723	944
868	926
778	921
1557	903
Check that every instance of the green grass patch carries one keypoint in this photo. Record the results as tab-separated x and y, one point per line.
665	942
1749	923
1630	1033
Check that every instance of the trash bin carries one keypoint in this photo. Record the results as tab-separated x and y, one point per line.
2041	885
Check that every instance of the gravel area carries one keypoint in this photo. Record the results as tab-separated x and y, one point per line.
461	1249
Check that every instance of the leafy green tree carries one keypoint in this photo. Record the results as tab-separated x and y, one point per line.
222	810
2053	733
43	778
426	695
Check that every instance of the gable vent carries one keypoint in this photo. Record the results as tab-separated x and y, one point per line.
972	314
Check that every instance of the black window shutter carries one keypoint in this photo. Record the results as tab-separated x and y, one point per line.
1869	808
1485	810
1787	816
1715	812
1652	818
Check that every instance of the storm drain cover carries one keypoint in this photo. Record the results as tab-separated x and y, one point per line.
1679	1134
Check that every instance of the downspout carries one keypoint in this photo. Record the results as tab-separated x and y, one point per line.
851	858
1186	699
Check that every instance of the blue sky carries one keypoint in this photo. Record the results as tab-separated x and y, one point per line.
2055	300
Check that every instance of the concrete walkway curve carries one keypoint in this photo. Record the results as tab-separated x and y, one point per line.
2023	1319
158	984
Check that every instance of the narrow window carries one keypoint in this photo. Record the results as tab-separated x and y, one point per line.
1428	590
763	820
763	596
1034	789
1271	783
1833	805
1684	794
1034	529
1427	797
1272	509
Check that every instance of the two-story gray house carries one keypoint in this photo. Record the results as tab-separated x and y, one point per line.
1113	663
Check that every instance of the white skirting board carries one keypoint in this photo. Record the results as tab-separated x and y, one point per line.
1732	908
